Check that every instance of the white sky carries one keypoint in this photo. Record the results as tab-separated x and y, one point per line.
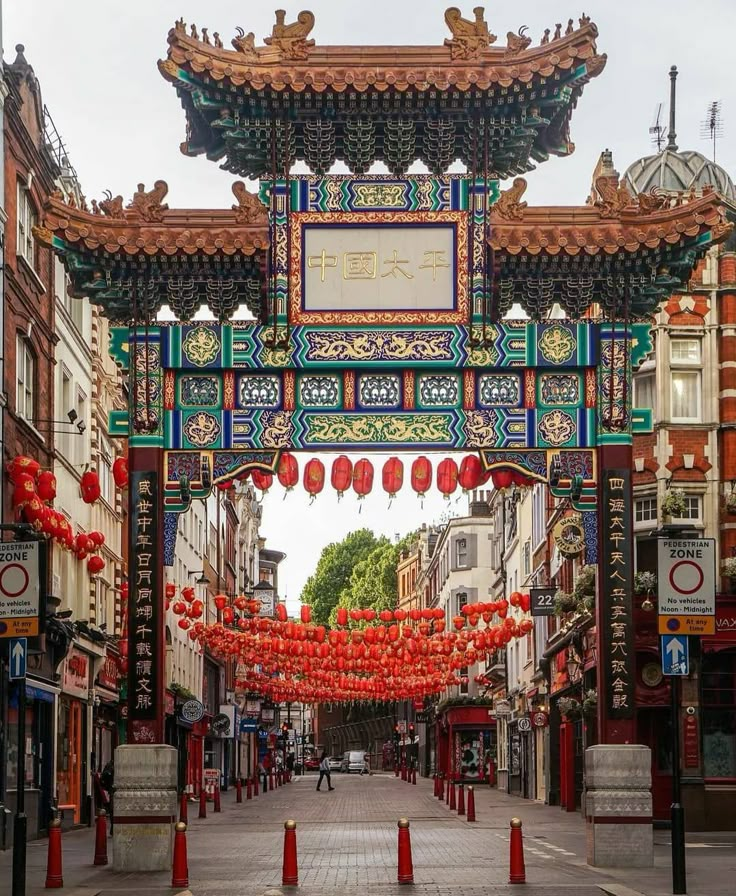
122	124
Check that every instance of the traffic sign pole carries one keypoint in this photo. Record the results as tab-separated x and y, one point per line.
20	822
677	812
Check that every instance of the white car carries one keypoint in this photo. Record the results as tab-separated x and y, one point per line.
335	763
353	761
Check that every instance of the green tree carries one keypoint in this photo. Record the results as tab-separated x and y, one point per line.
325	586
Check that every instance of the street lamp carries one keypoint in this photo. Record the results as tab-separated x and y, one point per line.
202	580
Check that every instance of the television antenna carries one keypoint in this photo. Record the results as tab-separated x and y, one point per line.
656	131
712	127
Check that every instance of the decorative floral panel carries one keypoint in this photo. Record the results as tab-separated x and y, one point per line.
259	391
438	391
199	391
499	390
560	389
382	391
319	391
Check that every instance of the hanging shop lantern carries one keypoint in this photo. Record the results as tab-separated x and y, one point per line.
224	485
98	538
305	613
120	472
342	474
262	479
220	601
170	591
95	565
281	613
228	616
421	475
502	479
33	511
90	486
447	477
363	477
470	472
288	471
392	476
23	464
24	489
46	485
314	477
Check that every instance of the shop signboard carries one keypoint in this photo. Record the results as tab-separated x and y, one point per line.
107	677
543	601
211	777
267	714
75	674
192	711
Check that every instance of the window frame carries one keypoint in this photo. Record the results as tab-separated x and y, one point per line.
27	219
645	521
25	357
687	368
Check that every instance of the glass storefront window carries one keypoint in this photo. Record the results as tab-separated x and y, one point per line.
719	714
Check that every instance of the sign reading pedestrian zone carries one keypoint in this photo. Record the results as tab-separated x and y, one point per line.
686	580
19	589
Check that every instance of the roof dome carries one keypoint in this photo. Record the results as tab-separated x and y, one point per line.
677	171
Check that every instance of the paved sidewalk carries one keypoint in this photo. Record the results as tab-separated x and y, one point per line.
347	843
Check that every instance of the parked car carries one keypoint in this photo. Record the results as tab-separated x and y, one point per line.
311	763
353	761
335	763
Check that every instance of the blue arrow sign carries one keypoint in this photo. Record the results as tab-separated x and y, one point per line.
18	656
675	655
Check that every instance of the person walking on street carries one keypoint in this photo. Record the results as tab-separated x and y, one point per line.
366	770
324	772
263	774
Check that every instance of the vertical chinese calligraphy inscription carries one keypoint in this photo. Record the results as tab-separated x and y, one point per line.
145	623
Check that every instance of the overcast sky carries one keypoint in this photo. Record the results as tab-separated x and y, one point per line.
122	124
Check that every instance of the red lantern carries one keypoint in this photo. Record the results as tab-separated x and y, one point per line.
392	476
470	472
306	614
314	477
342	474
25	489
363	477
502	479
342	616
421	475
220	601
447	477
23	464
33	510
262	479
281	613
120	472
288	471
224	485
46	485
170	590
228	616
98	538
95	565
90	487
178	607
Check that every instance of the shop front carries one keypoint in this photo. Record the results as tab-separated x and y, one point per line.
466	738
73	737
105	714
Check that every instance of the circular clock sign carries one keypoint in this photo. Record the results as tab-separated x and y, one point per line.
569	535
192	711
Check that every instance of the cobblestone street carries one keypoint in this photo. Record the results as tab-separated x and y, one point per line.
347	844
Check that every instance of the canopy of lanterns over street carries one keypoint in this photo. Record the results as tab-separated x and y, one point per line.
359	475
384	656
34	491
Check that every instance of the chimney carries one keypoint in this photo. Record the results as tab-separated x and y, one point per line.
671	135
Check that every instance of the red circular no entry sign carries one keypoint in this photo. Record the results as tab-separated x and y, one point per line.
686	577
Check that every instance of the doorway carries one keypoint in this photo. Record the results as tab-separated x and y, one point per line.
655	730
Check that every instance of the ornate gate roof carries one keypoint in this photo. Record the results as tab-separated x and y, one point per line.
392	103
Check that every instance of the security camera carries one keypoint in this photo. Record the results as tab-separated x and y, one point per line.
690	710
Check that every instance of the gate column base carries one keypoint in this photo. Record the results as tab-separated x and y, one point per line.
145	807
618	806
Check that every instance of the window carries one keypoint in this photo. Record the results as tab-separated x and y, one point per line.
464	688
527	558
693	508
719	714
686	378
26	246
104	471
645	392
645	510
25	365
461	552
461	598
538	521
66	434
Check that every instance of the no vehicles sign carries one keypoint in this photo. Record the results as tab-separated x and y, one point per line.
686	580
19	589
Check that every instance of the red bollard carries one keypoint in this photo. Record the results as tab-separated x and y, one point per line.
218	808
290	871
202	802
471	804
101	838
414	776
180	868
255	785
403	771
248	790
434	782
406	868
54	879
452	796
238	791
460	800
447	792
184	809
517	872
270	779
396	770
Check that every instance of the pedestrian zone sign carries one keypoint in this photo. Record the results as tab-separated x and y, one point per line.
686	576
19	589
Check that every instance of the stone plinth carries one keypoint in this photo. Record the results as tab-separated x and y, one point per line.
144	807
618	806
